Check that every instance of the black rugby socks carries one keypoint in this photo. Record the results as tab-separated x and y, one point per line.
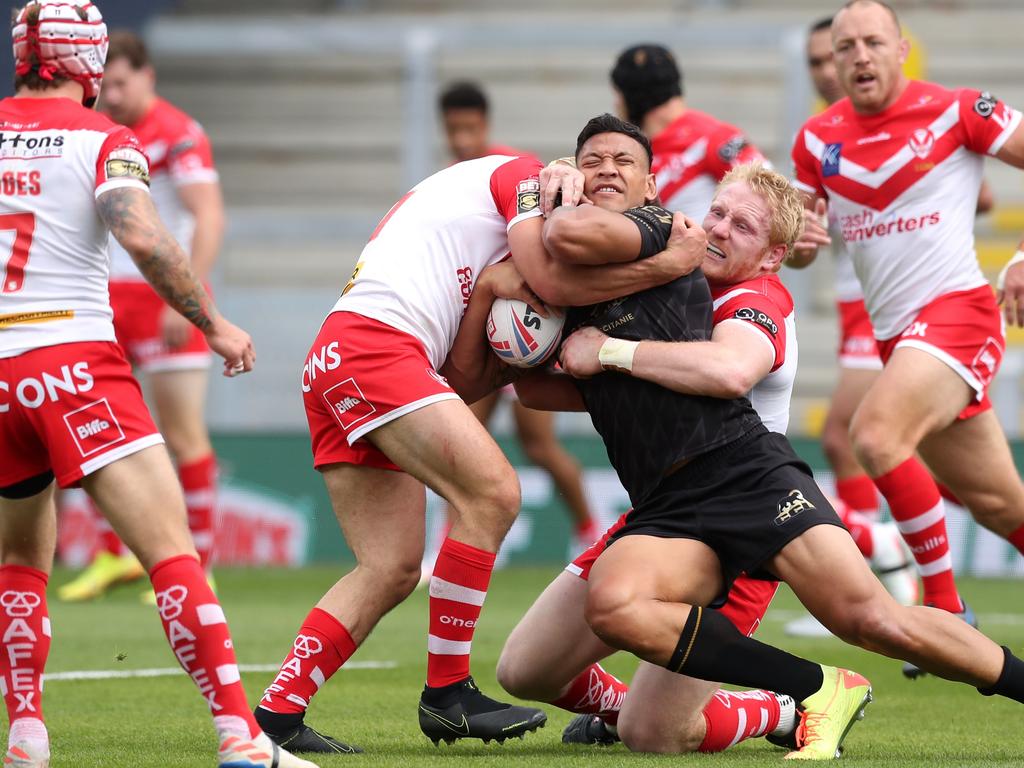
711	648
1011	680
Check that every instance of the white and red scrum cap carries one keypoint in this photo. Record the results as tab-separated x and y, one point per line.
69	38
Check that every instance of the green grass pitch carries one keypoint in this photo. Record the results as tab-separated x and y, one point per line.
162	722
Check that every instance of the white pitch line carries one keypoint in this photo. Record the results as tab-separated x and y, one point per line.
117	674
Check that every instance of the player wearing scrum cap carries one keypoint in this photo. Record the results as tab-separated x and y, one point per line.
70	410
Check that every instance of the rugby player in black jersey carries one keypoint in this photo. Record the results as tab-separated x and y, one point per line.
719	497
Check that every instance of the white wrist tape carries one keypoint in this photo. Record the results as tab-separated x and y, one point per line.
1018	257
617	353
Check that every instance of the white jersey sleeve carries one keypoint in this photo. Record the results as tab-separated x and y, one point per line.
418	271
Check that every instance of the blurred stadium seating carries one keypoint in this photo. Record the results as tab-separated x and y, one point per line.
322	115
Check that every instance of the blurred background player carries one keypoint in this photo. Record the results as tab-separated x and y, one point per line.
692	150
465	113
158	341
908	226
70	411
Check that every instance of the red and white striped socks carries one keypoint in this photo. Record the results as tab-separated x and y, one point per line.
320	648
734	716
199	481
198	634
25	629
918	510
458	587
594	692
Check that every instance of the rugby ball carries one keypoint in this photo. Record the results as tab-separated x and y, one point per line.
520	336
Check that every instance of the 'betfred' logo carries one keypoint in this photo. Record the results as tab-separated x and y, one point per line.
347	403
94	427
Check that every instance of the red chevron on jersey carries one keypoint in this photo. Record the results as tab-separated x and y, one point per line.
691	155
902	187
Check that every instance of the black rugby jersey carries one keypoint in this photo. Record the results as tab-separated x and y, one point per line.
647	428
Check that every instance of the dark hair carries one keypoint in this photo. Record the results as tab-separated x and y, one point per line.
820	24
607	123
125	44
32	79
647	76
463	95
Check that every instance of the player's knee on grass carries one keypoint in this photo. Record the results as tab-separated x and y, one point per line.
521	680
661	732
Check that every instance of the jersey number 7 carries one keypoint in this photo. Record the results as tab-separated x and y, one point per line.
24	225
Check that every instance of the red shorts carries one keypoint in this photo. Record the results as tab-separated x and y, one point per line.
745	606
138	310
857	345
72	409
965	331
359	375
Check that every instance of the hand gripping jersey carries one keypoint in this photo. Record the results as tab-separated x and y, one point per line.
765	306
903	185
418	270
56	158
179	154
646	428
692	155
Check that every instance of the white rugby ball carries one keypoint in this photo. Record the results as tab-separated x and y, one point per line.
520	336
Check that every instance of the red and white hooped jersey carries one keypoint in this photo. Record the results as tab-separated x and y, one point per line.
418	270
691	155
765	306
904	186
56	158
179	154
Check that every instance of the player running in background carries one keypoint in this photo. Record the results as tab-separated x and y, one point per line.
552	655
692	150
70	410
466	115
158	341
900	163
385	422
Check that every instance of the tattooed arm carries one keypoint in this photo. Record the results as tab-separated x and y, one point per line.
132	219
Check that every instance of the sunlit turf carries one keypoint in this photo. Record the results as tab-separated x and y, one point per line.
162	721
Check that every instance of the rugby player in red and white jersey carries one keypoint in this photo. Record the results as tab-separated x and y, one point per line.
159	342
692	150
385	422
70	410
900	164
552	655
465	112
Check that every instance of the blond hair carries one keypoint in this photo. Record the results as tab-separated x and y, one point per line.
785	204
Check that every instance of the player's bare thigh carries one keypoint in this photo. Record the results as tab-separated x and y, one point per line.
973	458
551	644
444	446
28	530
915	394
179	402
664	711
141	497
641	588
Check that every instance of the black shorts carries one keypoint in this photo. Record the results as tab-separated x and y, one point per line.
746	500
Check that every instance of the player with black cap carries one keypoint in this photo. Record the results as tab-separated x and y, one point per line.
692	150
